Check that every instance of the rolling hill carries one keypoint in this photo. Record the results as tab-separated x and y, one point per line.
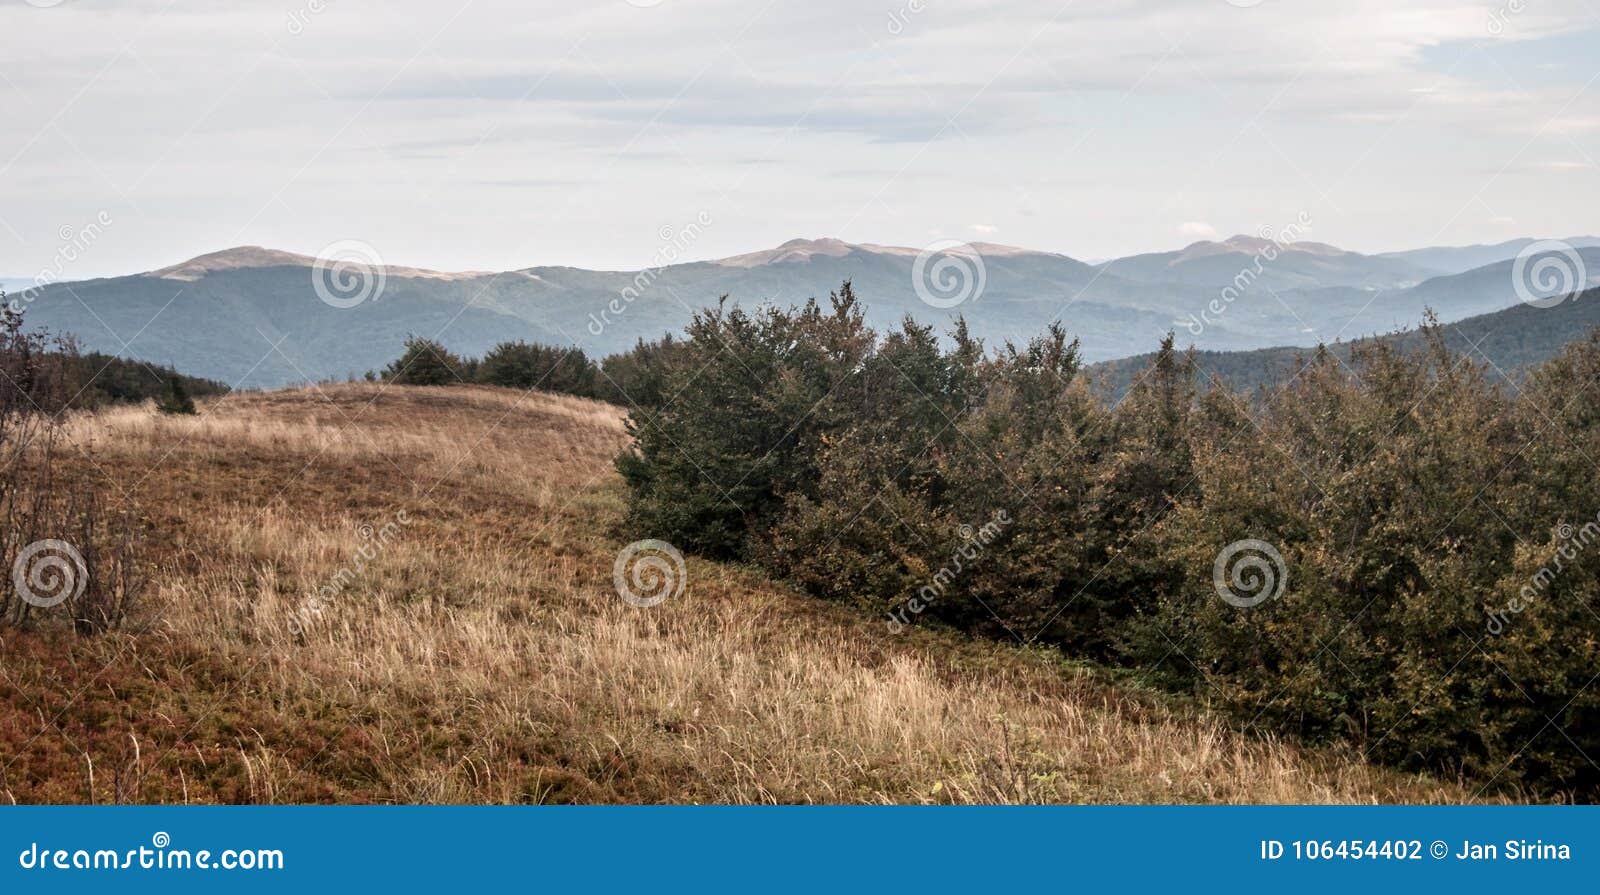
476	649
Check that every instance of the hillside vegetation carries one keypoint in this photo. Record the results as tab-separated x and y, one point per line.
470	645
1391	549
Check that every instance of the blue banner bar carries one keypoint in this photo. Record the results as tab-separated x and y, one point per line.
1264	849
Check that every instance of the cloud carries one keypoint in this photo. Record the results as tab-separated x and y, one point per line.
985	229
297	124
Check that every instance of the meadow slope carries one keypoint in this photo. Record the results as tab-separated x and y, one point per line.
481	654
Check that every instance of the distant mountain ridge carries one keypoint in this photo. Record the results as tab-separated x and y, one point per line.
1284	265
258	317
1510	341
1459	259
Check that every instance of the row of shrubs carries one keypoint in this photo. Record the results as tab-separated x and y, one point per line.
529	365
1432	600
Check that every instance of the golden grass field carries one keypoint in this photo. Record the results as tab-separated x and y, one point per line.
482	654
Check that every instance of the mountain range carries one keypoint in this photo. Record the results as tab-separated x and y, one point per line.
257	317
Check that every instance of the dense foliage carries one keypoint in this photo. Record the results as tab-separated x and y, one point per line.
93	379
1438	532
525	365
425	362
630	378
177	399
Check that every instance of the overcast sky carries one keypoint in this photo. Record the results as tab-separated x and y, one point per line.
494	135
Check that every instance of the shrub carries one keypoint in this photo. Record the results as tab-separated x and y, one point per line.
1432	533
873	527
523	365
750	398
425	362
63	553
1397	493
635	378
177	399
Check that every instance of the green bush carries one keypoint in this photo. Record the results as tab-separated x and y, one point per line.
1423	535
636	378
746	403
1397	494
873	526
524	365
425	362
177	398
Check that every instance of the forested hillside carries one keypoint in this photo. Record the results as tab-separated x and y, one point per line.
1509	341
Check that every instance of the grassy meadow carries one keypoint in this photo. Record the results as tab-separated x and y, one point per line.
480	653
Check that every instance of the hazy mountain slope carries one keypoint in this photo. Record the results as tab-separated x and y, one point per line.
224	325
218	319
1458	259
1300	265
1021	293
1487	288
220	315
1512	340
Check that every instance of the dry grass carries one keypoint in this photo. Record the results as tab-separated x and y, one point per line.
480	655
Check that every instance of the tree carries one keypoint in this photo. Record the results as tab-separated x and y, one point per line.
526	365
748	400
177	399
635	378
425	362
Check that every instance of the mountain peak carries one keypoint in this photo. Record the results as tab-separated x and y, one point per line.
1242	244
236	258
251	257
796	250
793	250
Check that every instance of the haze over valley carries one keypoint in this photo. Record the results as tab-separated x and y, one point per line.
257	317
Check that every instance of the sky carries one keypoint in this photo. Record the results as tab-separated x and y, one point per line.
489	135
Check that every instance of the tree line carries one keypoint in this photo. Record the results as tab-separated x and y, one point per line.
530	365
